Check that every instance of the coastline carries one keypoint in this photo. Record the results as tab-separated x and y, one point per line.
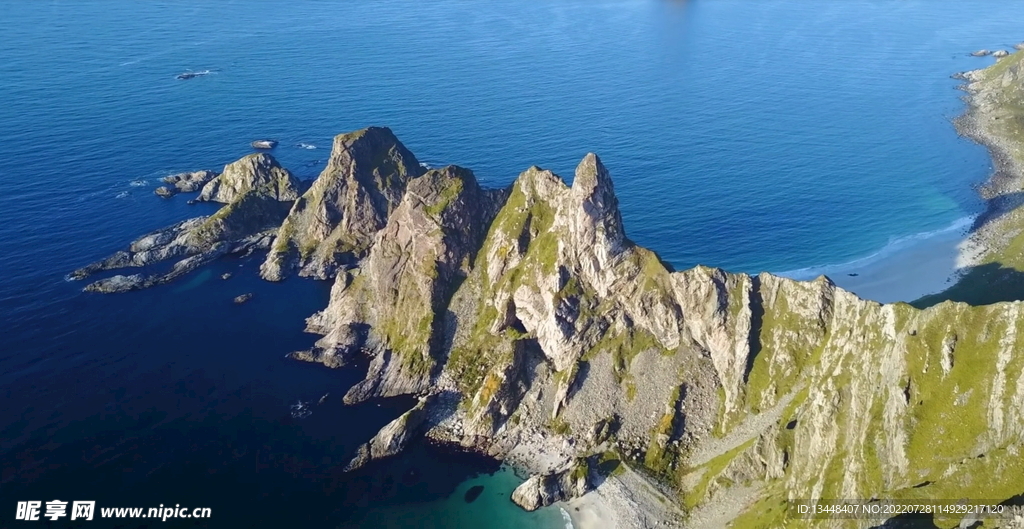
1007	177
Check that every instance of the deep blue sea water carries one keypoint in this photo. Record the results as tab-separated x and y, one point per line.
770	135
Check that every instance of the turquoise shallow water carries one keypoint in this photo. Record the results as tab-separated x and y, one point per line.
489	509
777	135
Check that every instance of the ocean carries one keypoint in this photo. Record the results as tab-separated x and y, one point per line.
786	136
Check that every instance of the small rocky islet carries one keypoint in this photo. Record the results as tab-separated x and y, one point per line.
533	330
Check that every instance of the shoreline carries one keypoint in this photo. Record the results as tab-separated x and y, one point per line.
1007	174
906	269
990	259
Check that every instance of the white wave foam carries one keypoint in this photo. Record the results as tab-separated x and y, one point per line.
123	194
959	226
566	518
139	182
300	410
307	146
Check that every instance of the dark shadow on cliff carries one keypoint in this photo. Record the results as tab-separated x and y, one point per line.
909	521
756	322
981	285
582	371
997	207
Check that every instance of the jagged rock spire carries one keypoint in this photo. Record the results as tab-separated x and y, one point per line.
256	172
595	230
350	201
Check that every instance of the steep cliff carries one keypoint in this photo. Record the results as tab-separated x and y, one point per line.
392	305
335	220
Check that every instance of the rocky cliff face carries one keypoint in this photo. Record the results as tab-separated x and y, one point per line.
392	306
335	220
536	331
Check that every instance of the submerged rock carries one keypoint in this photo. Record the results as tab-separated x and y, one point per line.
243	298
473	493
190	182
980	53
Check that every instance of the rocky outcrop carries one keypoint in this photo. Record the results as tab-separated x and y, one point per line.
540	491
257	191
334	222
189	182
393	438
164	192
257	173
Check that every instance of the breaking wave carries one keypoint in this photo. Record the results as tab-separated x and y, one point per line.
566	518
959	226
300	410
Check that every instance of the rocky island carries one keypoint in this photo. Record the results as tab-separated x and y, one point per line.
533	330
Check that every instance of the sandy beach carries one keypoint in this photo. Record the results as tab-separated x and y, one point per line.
905	270
624	501
924	267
